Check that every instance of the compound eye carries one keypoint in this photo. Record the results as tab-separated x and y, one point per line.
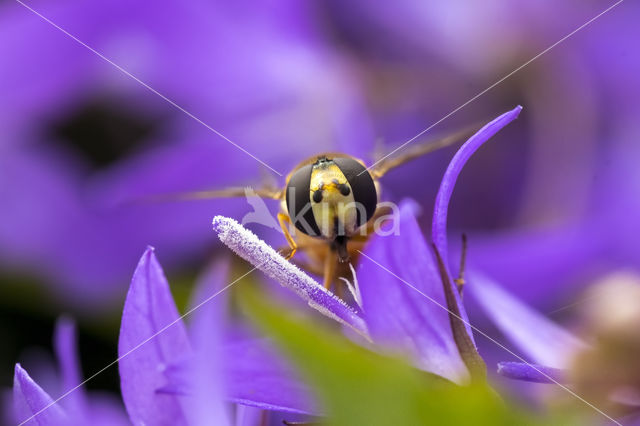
317	195
362	186
299	203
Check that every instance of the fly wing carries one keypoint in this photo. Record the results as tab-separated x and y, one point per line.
413	150
225	193
233	192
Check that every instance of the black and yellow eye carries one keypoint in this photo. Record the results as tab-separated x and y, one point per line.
362	185
299	203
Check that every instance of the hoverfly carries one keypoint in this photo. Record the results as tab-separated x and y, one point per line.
329	204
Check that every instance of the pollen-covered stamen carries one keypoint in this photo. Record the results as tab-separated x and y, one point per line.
251	248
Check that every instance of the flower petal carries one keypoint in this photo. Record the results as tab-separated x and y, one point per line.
252	249
439	224
539	338
531	372
254	375
152	336
400	317
249	416
65	345
29	399
206	369
440	211
259	377
566	257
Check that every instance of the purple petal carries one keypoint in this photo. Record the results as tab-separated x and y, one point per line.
531	372
568	255
101	409
106	410
400	317
252	249
65	345
210	282
206	367
536	336
152	336
439	224
258	376
254	375
29	399
249	416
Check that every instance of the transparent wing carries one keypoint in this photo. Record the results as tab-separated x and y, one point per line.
413	150
234	192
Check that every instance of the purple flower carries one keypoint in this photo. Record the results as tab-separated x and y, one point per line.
78	407
170	374
174	374
393	315
161	362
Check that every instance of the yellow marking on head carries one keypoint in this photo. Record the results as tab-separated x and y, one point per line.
334	209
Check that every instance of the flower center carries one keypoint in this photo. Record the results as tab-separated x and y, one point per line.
104	131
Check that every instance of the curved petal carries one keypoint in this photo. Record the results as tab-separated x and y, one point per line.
404	318
33	403
152	336
439	224
539	338
255	251
440	211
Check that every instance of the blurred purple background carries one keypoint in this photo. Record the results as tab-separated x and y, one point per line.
550	205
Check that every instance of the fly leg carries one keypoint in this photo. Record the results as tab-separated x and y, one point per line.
329	268
302	246
283	219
